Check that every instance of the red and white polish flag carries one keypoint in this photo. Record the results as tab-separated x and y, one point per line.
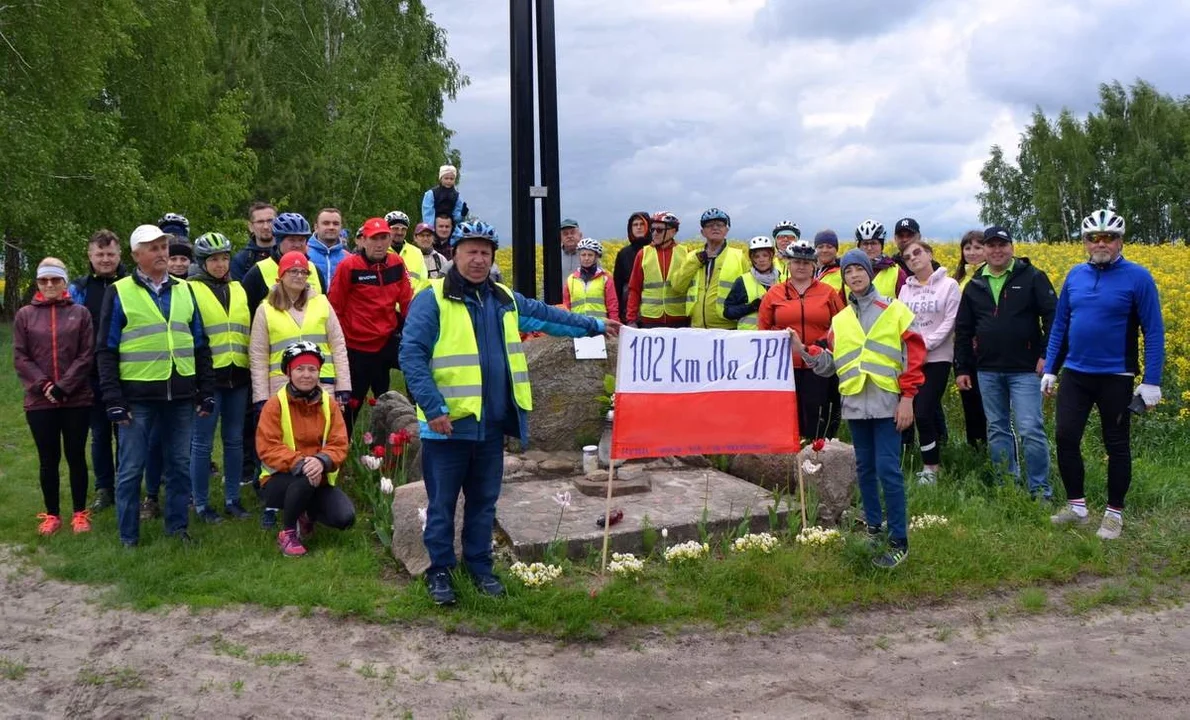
698	392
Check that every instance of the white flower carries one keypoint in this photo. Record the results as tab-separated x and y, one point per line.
386	486
819	536
810	467
924	522
563	499
689	550
625	565
370	461
421	515
536	575
664	533
761	542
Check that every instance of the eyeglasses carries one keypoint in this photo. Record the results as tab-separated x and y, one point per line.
869	243
1105	238
49	280
302	273
916	253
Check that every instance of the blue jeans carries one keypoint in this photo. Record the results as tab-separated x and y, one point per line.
878	465
477	468
1020	394
230	404
172	422
154	464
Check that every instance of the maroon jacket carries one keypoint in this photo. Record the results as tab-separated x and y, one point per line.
54	342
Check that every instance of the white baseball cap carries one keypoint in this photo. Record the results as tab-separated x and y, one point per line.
145	234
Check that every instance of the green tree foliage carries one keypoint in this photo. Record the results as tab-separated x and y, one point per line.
115	112
1132	154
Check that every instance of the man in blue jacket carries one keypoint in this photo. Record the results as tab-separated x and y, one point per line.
1095	343
463	363
326	248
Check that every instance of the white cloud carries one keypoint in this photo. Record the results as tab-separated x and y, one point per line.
824	113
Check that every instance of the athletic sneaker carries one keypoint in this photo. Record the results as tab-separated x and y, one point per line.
440	590
289	543
236	510
1111	527
1066	516
489	585
49	524
81	522
149	509
927	477
208	515
305	527
104	499
894	557
268	518
873	536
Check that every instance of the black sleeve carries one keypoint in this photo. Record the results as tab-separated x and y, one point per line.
964	335
736	305
1047	303
621	272
254	289
108	358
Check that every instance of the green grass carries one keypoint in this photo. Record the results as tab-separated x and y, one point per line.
997	540
12	669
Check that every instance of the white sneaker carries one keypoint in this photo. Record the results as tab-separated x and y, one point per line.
927	477
1066	516
1111	527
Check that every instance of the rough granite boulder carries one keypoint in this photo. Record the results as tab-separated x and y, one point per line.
394	412
834	482
407	546
566	410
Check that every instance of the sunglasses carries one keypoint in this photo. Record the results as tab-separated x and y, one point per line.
49	280
1106	238
659	230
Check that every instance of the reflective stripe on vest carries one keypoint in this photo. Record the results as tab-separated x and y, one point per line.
875	355
268	272
415	266
587	298
657	297
751	321
287	431
227	330
730	264
284	331
886	281
150	347
455	362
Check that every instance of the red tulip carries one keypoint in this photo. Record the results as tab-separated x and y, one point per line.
353	403
372	401
818	444
378	451
394	439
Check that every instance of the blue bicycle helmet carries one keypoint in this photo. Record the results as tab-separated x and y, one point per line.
714	214
290	224
474	230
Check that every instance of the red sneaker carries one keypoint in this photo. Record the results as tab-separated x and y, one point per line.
81	522
290	545
49	524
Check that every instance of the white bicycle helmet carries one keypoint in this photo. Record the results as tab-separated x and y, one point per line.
760	242
869	230
787	226
800	250
1103	221
396	217
591	244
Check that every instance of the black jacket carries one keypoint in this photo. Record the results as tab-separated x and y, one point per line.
244	260
89	291
625	257
1009	336
257	291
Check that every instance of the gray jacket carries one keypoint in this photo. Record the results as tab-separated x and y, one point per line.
872	402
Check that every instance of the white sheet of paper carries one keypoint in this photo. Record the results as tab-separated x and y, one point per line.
590	348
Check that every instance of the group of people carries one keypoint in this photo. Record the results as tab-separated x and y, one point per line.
879	334
278	345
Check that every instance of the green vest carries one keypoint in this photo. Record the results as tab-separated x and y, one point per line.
227	330
150	346
455	362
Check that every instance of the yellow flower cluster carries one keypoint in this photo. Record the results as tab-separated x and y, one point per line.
537	574
823	537
755	542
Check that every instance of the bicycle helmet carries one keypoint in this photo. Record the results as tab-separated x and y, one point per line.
396	217
290	224
209	244
591	244
787	226
712	215
174	219
665	217
1103	221
869	230
477	229
800	250
296	350
760	242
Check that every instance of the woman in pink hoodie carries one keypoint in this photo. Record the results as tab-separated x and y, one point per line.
934	299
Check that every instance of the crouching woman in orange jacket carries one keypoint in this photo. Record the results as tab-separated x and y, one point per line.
301	439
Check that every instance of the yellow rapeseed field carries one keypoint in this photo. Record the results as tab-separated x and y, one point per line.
1170	267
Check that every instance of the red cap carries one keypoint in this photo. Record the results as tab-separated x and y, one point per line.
421	228
375	226
292	260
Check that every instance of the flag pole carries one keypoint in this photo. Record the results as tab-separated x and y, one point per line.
607	510
801	489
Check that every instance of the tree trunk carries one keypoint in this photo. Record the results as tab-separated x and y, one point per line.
12	276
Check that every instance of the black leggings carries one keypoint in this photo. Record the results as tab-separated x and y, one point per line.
927	408
818	404
974	418
1077	393
325	504
369	371
53	431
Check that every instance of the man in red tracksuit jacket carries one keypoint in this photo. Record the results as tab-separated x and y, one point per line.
371	293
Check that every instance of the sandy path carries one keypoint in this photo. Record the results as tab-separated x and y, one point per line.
81	661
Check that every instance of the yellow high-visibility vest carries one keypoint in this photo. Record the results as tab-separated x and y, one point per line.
287	432
751	321
657	297
415	265
227	330
150	346
886	281
834	278
283	332
454	364
587	298
875	355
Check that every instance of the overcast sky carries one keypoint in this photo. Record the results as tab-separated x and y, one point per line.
822	112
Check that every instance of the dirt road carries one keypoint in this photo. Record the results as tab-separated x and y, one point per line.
63	656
